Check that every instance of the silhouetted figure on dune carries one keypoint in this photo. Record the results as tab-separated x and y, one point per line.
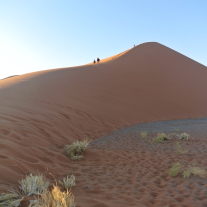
98	60
94	61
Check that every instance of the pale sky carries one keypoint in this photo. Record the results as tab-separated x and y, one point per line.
45	34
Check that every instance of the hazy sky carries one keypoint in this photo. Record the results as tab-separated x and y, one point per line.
44	34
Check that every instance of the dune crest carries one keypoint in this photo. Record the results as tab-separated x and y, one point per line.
42	111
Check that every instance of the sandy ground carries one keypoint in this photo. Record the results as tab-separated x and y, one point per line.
136	173
41	112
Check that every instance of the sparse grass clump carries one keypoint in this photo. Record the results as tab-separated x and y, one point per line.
180	150
161	137
184	136
8	196
187	170
172	135
9	200
68	182
11	203
55	198
33	185
175	169
76	149
143	134
193	169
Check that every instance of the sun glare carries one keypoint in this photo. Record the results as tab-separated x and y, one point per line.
15	58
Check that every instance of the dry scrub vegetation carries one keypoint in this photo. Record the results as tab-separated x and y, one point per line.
143	134
180	149
33	185
54	198
175	169
61	196
38	185
187	170
68	182
184	136
161	137
10	199
76	150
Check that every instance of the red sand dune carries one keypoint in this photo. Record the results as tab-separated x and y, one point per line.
42	111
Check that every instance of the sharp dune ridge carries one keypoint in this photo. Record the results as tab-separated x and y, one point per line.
9	77
42	111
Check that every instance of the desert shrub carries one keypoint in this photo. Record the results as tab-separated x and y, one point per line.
55	198
11	203
180	150
10	200
8	196
68	182
172	135
143	134
187	170
161	137
76	149
195	170
175	169
184	136
33	184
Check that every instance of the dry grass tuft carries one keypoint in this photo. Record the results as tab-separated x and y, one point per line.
68	182
193	169
172	135
76	149
143	134
187	170
180	150
9	200
8	196
175	169
184	136
33	203
33	184
161	137
11	203
56	198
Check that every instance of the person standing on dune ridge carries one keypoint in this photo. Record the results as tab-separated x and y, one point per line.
94	61
98	60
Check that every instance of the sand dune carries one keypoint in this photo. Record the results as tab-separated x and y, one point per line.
42	111
9	77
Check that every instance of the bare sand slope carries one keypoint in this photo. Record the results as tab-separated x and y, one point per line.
41	112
